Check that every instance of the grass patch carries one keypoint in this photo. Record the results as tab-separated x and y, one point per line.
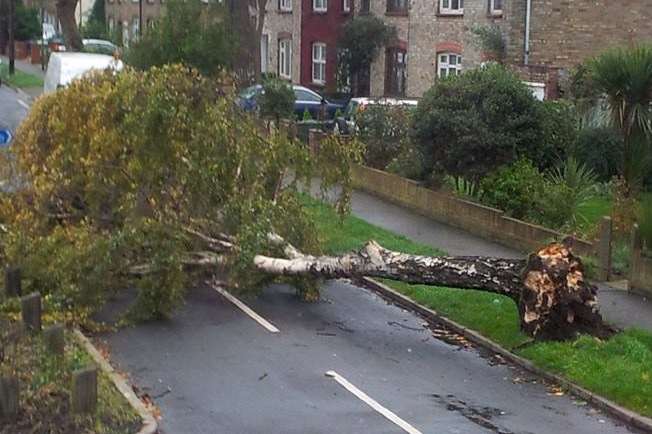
619	369
591	212
19	79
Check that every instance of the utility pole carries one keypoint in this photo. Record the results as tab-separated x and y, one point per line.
12	47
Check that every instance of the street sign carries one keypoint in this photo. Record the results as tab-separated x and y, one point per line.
5	137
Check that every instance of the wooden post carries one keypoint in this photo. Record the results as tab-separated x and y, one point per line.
54	339
9	393
31	310
13	286
604	249
84	390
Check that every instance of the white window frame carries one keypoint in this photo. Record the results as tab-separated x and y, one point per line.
493	9
285	5
446	7
444	64
320	5
135	27
285	58
346	5
319	63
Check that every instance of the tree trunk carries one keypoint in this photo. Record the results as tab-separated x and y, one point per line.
554	301
66	14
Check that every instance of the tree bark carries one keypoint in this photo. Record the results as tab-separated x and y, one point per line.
66	15
553	298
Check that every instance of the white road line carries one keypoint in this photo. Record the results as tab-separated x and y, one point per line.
23	103
372	403
246	309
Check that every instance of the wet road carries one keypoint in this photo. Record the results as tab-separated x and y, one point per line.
212	369
13	108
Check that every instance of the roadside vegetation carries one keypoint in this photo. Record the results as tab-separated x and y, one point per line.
45	385
19	79
619	369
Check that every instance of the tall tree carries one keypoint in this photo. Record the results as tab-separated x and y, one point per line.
66	14
248	16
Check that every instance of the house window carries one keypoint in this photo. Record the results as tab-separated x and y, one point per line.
364	7
496	7
451	7
264	52
449	64
395	71
397	6
285	58
319	63
346	5
111	24
285	5
319	5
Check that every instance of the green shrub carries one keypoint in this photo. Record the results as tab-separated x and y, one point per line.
472	124
601	149
645	221
276	101
28	26
513	189
408	163
383	129
559	131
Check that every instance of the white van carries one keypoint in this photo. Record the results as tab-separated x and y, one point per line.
65	67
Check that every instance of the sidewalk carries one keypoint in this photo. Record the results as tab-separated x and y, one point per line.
28	68
618	306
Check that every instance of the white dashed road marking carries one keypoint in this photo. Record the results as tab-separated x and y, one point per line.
372	403
23	103
246	309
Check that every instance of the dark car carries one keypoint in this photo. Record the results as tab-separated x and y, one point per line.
305	100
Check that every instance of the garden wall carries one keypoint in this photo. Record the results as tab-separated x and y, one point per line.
474	218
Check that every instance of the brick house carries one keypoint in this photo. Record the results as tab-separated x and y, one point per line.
321	23
280	45
123	16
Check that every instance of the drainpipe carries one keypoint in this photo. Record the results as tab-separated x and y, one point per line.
528	13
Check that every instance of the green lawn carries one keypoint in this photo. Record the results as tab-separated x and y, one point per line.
593	210
619	369
19	79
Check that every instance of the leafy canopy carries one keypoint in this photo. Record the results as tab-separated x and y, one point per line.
118	170
361	39
189	32
469	125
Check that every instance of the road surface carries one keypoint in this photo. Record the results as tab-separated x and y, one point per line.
13	108
213	369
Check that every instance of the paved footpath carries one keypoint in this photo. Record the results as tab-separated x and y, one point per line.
618	306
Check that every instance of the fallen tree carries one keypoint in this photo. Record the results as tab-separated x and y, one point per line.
145	179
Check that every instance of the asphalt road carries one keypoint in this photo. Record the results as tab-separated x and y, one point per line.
13	108
212	369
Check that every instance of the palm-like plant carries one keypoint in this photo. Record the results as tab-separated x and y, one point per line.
625	77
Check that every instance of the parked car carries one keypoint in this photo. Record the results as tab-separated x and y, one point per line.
65	67
346	124
305	99
97	46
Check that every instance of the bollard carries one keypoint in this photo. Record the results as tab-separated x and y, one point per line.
604	249
13	286
84	390
31	310
54	339
9	392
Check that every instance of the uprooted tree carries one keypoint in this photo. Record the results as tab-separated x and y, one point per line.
150	179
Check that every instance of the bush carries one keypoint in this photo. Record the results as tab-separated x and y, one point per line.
472	124
645	221
559	132
514	188
383	129
28	26
408	163
277	99
601	149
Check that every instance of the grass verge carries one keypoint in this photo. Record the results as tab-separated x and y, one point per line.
45	381
619	369
20	78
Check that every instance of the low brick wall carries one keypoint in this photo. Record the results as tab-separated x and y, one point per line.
477	219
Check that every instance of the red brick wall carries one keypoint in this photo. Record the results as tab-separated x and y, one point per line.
321	27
